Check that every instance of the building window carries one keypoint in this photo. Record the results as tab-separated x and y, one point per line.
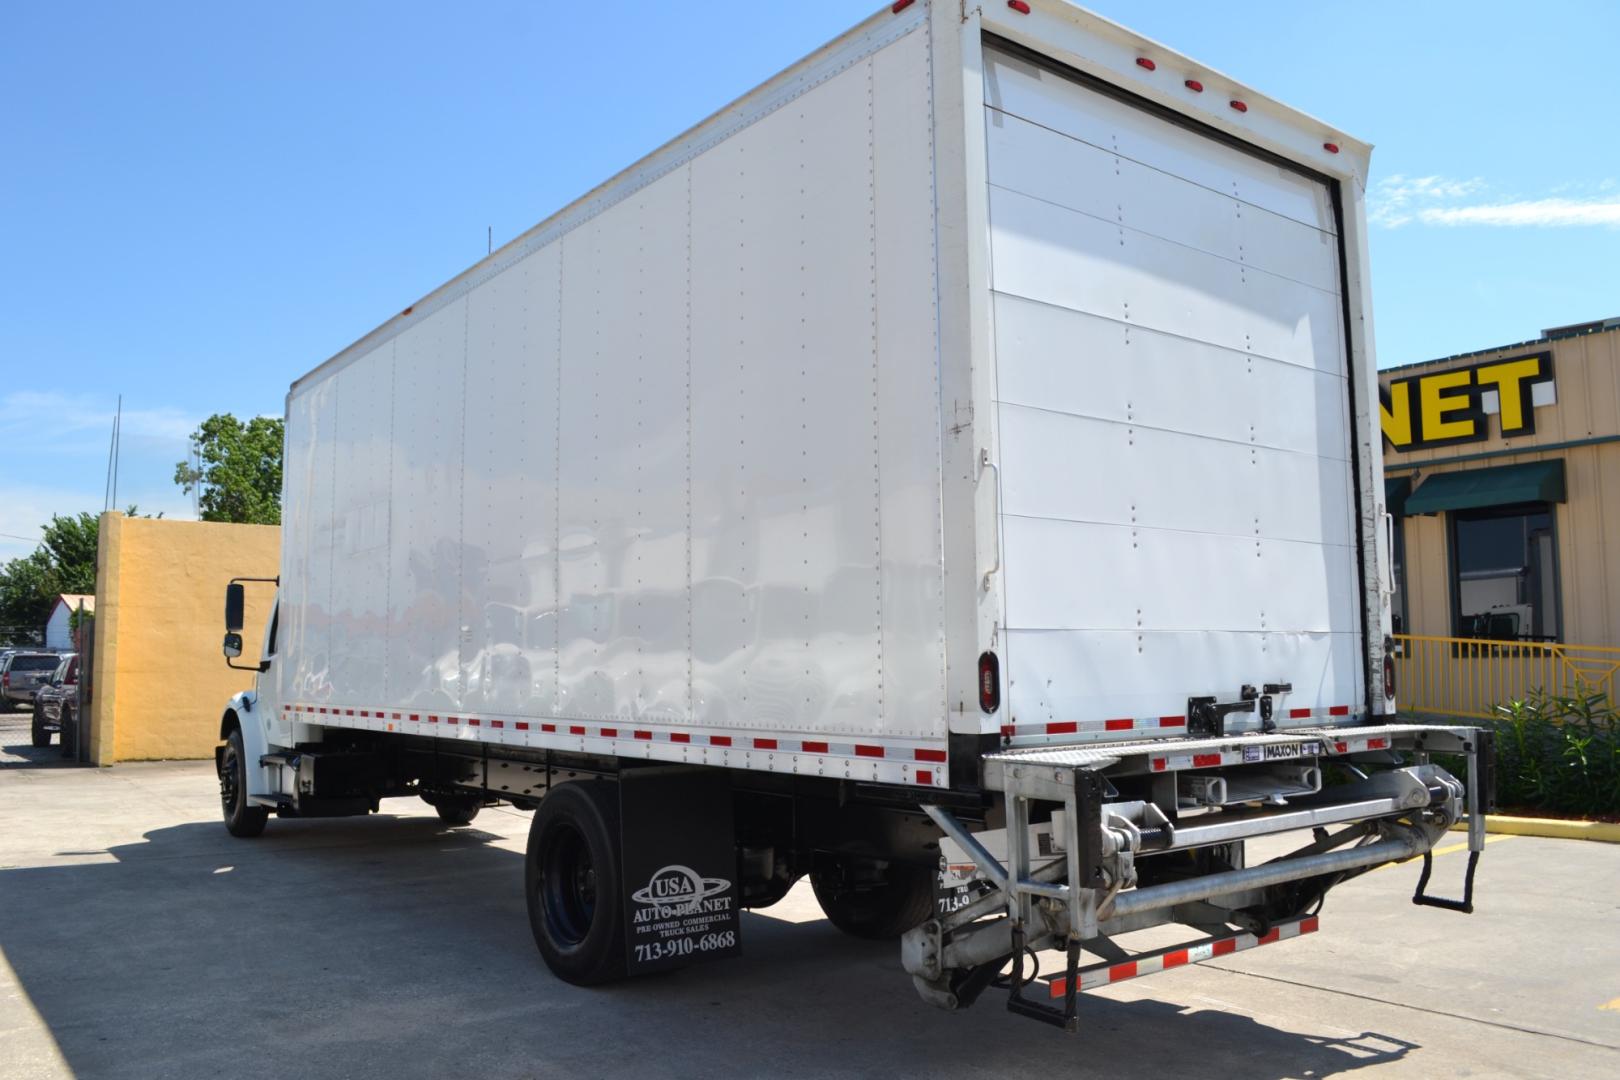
1504	573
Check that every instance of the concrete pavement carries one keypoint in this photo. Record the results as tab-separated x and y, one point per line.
139	939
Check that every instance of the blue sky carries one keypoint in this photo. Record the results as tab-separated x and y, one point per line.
199	202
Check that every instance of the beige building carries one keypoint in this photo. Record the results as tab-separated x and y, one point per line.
1503	474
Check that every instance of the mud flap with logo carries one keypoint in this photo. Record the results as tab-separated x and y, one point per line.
680	867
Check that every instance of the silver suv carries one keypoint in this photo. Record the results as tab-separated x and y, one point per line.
23	674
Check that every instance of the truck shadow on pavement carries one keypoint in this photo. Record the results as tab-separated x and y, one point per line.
393	946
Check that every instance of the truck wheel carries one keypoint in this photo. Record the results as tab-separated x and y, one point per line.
240	818
70	732
571	878
877	906
41	737
456	809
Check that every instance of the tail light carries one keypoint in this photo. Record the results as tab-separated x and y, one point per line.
5	681
989	682
1389	667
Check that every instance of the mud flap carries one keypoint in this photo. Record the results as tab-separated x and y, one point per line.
681	902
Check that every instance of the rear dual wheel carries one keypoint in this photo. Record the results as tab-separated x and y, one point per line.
572	879
872	900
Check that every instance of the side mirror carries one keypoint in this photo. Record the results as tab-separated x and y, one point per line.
233	642
234	605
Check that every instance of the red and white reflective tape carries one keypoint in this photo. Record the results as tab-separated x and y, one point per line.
446	723
1104	974
1155	724
1167	725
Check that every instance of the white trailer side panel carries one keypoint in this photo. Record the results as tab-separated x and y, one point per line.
667	482
1178	500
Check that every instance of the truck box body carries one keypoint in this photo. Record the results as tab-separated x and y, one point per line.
959	337
948	474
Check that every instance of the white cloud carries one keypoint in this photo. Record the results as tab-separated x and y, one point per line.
1438	200
31	410
1550	212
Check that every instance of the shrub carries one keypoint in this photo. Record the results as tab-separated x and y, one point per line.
1558	753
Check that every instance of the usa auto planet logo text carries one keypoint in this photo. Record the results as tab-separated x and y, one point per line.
675	891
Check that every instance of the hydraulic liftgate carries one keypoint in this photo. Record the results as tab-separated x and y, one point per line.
1082	890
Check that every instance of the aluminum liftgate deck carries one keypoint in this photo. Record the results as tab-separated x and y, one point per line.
1392	816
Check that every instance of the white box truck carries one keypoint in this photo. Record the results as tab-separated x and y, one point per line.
951	473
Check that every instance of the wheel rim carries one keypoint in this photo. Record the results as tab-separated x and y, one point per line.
567	886
227	782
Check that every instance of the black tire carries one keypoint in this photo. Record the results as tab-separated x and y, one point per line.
240	818
456	809
572	879
901	898
69	729
41	737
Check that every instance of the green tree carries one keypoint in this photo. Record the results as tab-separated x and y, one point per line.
64	562
240	476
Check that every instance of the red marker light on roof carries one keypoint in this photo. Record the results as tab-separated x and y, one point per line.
1144	62
1194	85
1018	6
1238	105
900	5
1331	147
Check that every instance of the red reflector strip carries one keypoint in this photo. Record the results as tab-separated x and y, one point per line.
1271	936
521	725
930	755
1160	764
1172	721
472	721
1203	761
1126	970
1118	725
868	751
575	729
1066	728
351	712
416	718
1175	959
719	740
643	735
1378	744
1223	948
452	720
1298	714
433	719
396	716
925	776
1339	710
610	733
679	736
497	723
548	727
814	747
764	744
362	713
1008	731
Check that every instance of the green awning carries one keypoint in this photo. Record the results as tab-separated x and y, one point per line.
1396	489
1470	489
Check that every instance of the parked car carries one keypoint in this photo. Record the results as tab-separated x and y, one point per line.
24	674
56	702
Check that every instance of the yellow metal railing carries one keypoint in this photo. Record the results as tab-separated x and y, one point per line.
1450	676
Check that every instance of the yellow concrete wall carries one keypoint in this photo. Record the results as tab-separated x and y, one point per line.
160	681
